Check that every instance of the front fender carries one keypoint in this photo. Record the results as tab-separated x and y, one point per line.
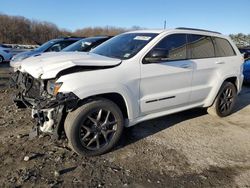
86	91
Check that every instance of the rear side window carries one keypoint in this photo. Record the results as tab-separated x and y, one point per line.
175	46
223	48
200	46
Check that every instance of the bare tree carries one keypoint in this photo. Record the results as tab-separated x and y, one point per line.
20	30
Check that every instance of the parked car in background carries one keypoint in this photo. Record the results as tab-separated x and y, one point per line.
246	52
5	53
246	68
133	77
83	45
246	71
54	45
86	44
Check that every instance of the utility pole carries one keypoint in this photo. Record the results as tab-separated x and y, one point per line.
165	24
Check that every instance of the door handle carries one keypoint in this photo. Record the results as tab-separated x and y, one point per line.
185	66
220	62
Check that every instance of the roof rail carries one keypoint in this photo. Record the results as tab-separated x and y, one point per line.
186	28
68	37
101	36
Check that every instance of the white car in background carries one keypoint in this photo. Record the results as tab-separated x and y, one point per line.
5	53
133	77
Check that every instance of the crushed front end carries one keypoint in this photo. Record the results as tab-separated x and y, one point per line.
49	107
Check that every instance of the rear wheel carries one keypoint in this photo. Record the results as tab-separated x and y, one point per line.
225	101
95	127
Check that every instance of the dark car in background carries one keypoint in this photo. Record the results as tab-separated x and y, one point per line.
54	45
246	69
245	51
86	44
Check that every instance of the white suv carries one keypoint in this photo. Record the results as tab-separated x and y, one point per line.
133	77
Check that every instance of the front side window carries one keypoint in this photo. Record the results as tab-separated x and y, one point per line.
172	47
124	46
200	46
223	48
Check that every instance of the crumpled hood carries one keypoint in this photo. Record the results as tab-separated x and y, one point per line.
48	65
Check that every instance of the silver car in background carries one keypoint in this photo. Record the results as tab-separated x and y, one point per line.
5	53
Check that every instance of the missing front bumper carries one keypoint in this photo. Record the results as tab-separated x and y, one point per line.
48	110
50	118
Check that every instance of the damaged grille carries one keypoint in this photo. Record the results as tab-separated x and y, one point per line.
33	88
29	89
33	93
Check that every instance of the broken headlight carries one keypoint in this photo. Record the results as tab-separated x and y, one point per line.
53	87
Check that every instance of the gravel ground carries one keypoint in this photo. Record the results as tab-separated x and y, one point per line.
188	149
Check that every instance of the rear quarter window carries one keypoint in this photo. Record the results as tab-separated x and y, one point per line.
223	48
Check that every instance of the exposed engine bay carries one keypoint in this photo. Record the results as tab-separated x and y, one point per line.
48	106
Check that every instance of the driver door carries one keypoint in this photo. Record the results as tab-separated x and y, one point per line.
166	83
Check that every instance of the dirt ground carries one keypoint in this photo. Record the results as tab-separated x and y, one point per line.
188	149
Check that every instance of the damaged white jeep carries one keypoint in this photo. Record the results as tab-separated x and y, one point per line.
133	77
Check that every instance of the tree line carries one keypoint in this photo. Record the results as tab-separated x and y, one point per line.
20	30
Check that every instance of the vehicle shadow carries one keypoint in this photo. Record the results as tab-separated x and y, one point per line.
151	127
4	65
243	99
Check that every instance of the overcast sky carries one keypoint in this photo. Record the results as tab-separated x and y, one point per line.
226	16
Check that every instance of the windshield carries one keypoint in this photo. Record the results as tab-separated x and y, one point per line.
45	46
124	46
82	45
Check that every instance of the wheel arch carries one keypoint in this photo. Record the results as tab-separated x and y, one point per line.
117	98
233	79
123	101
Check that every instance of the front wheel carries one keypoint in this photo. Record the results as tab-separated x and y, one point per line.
225	101
95	127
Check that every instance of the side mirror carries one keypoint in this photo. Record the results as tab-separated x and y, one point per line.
156	56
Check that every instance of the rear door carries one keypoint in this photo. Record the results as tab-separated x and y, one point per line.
202	54
208	55
167	84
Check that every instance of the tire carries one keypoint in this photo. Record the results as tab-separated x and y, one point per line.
1	59
225	101
95	127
